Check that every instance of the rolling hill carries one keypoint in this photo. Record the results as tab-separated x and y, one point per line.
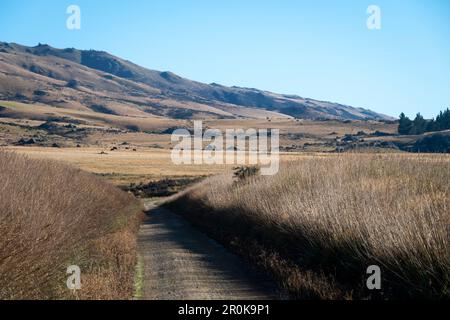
88	80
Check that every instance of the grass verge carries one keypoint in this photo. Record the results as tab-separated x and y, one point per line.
319	224
53	216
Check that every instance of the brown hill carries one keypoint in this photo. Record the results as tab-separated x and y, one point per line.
99	81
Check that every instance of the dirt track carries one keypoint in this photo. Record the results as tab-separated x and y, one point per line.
179	262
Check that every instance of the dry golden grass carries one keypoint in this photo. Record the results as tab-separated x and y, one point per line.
319	223
123	166
126	166
53	216
43	112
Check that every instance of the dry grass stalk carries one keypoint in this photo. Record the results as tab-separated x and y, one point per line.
335	217
53	216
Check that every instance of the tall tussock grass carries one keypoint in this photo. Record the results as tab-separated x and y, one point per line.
319	224
53	216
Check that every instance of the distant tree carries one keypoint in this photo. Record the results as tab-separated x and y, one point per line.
419	125
446	119
443	120
404	124
431	126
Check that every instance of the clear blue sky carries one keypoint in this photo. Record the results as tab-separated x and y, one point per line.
318	49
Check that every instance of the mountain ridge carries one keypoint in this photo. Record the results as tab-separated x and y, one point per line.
82	79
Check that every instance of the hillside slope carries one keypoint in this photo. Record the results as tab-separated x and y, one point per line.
101	82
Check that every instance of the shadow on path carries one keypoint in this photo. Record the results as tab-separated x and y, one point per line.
182	263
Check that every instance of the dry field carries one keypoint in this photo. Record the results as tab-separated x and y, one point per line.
123	166
127	166
318	224
53	216
88	128
139	156
315	226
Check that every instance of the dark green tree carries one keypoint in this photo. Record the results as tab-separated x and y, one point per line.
419	125
431	126
404	124
443	120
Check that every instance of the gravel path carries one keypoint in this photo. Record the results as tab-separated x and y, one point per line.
179	262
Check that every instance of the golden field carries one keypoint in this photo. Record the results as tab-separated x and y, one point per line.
105	130
125	166
315	226
320	222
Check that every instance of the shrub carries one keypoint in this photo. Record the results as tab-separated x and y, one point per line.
244	172
133	128
72	83
39	93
